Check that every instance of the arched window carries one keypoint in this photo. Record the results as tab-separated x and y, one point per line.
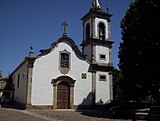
64	60
88	31
101	31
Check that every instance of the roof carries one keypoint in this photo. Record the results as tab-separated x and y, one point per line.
65	39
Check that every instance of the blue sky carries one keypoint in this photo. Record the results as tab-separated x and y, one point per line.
39	22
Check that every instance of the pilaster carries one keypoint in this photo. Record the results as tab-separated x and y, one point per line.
29	80
54	96
111	85
93	88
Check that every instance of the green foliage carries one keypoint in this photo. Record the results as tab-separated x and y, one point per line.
117	84
139	53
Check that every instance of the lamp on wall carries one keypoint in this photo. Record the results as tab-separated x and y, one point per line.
24	74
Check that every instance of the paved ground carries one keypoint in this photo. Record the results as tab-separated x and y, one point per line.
8	114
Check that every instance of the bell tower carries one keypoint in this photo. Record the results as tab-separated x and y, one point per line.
97	46
97	34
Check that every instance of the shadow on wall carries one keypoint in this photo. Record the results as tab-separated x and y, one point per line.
87	102
86	108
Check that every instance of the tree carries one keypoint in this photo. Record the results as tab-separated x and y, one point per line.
117	84
139	52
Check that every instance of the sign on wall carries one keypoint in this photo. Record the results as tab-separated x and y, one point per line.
84	76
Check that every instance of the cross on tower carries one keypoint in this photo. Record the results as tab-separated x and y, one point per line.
64	24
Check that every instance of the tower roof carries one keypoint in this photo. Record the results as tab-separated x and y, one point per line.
97	11
96	5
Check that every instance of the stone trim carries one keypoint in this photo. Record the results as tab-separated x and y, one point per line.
63	78
93	88
44	107
98	14
111	86
101	67
31	61
39	107
97	42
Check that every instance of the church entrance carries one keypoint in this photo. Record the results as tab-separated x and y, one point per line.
63	95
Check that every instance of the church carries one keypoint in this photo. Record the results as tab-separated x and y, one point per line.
64	77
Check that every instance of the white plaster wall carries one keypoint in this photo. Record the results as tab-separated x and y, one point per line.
46	68
20	92
97	21
102	88
102	50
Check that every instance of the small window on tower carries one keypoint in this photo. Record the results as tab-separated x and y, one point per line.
102	57
102	77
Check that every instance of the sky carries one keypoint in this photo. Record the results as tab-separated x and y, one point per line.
39	22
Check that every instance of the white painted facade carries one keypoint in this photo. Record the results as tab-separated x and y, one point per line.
102	87
100	50
20	81
42	89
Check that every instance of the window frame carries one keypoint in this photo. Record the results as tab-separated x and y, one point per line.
18	81
100	58
102	79
60	59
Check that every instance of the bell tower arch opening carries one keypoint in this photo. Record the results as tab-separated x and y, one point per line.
88	31
101	31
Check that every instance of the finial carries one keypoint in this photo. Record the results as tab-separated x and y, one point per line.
64	24
96	5
31	51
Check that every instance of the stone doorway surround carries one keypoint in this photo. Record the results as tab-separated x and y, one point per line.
55	83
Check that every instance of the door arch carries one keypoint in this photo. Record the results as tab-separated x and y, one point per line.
63	95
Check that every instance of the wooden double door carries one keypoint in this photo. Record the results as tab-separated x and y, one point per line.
63	95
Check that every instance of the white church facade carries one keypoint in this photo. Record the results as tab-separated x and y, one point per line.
62	76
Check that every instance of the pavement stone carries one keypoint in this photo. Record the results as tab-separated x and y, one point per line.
8	114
